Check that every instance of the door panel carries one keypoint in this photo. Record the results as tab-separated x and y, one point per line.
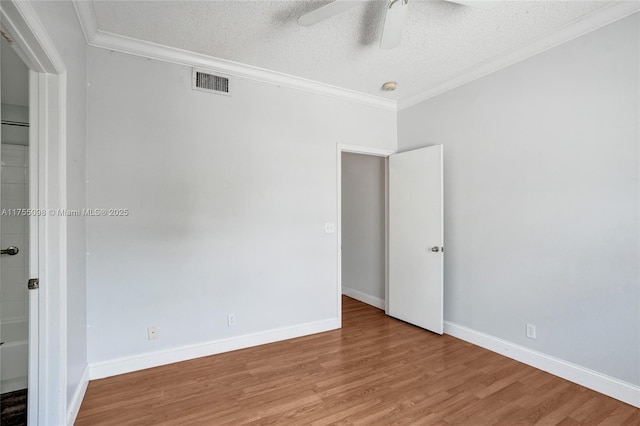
415	231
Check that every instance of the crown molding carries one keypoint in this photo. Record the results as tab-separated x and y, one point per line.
87	17
115	42
598	19
102	39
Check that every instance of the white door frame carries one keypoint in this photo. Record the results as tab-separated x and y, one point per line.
377	152
22	24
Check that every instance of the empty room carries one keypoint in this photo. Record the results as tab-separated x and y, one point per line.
320	212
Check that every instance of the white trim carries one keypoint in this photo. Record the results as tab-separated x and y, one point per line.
35	47
115	42
43	226
339	233
35	246
87	17
363	297
53	303
618	389
584	25
386	235
357	149
78	396
113	367
61	194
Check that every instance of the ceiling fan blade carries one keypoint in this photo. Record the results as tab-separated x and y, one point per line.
480	4
327	11
394	24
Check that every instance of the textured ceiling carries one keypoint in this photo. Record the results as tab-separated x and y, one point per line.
441	40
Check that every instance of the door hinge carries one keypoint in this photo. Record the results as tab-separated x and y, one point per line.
34	284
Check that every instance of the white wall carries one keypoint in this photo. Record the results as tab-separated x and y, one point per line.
228	197
14	77
363	219
542	199
62	25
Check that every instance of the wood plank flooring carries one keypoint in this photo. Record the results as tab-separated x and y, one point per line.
13	408
374	371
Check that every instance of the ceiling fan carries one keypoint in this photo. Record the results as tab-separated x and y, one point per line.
394	20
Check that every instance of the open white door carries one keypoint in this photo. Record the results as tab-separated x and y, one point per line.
415	290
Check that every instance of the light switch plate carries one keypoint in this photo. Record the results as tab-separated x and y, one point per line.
152	332
531	331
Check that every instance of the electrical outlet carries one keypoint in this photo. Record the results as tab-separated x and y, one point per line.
531	331
152	332
231	320
329	227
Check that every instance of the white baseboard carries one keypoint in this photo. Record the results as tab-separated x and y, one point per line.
78	396
363	297
114	367
623	391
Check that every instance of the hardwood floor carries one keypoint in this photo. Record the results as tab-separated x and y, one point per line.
13	408
374	371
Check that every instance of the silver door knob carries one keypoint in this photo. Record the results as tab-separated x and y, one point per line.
435	249
11	251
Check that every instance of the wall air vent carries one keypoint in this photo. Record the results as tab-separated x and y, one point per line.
213	83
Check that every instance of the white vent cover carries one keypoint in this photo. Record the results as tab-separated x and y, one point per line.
214	83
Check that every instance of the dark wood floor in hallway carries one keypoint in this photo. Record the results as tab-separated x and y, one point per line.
374	371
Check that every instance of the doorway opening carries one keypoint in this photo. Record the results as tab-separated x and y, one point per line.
14	236
362	225
413	234
363	228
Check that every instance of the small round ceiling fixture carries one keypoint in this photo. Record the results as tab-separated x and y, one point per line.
390	86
